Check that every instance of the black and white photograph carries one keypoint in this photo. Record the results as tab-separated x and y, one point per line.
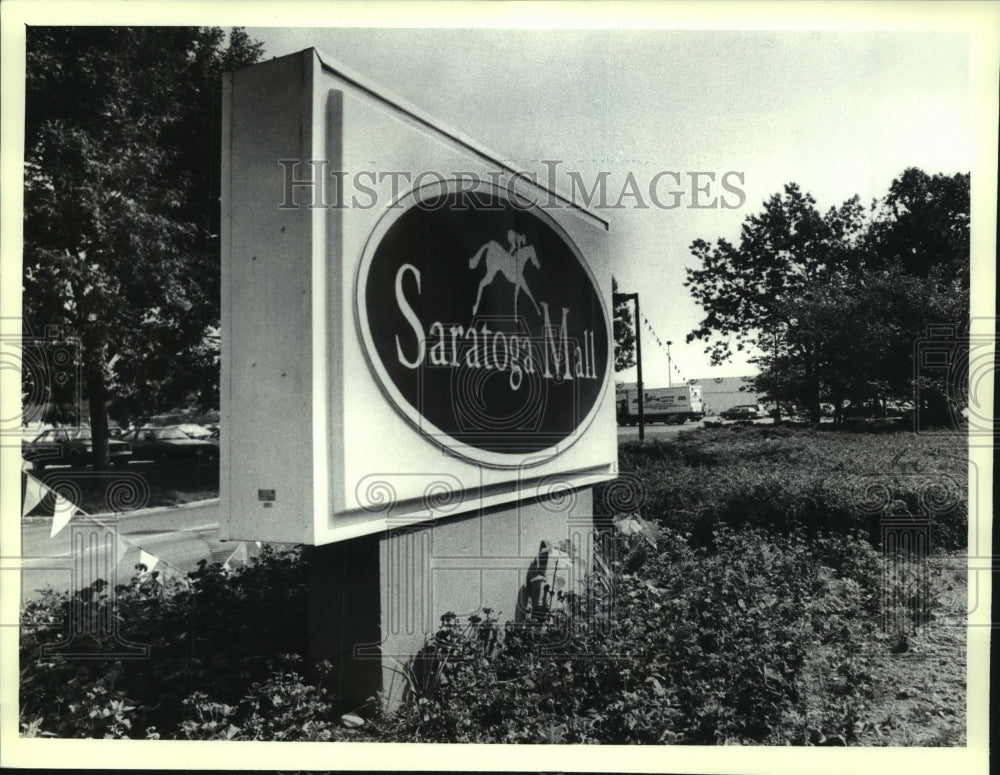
412	382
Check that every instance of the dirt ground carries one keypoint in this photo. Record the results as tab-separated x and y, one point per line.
920	691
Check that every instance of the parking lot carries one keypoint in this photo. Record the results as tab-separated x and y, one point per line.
663	431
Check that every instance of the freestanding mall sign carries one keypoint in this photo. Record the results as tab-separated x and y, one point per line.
416	363
412	329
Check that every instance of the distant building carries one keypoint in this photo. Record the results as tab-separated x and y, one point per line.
722	393
719	393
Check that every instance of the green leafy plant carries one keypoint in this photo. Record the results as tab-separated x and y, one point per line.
694	626
215	629
699	644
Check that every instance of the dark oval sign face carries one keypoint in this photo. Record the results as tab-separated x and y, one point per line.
483	324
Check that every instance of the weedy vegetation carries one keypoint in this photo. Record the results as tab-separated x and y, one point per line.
755	604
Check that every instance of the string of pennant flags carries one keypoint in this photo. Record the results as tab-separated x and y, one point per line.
663	346
34	492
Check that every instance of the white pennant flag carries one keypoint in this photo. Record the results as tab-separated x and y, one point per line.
61	514
34	491
240	554
147	559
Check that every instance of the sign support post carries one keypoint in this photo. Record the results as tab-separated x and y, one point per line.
638	359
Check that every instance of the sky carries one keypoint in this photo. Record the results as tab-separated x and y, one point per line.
838	98
839	112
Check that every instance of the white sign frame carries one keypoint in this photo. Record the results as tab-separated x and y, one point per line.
304	459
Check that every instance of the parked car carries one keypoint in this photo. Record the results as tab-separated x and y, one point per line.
71	446
742	412
31	431
169	443
214	437
899	409
195	431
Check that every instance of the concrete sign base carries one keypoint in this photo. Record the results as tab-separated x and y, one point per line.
375	599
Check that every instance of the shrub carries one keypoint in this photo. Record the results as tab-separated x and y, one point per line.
700	645
750	614
216	630
282	707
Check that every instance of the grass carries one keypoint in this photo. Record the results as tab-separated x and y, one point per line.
783	478
138	486
838	484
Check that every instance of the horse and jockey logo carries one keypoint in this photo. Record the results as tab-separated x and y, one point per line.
510	263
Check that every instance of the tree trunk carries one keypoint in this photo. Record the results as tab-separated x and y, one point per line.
96	398
812	383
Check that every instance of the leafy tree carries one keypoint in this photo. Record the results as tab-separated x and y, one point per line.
833	304
624	331
922	234
923	225
121	213
753	293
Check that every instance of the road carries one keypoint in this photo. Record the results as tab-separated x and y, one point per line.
178	537
655	431
662	431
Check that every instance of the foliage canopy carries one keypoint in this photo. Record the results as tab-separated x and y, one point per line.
121	206
834	305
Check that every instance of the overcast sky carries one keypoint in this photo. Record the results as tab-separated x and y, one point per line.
838	112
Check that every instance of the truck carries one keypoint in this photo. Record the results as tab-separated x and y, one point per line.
672	405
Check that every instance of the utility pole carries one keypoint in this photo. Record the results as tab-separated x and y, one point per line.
634	297
670	367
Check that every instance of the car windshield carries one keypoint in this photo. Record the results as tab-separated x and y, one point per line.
60	435
170	433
